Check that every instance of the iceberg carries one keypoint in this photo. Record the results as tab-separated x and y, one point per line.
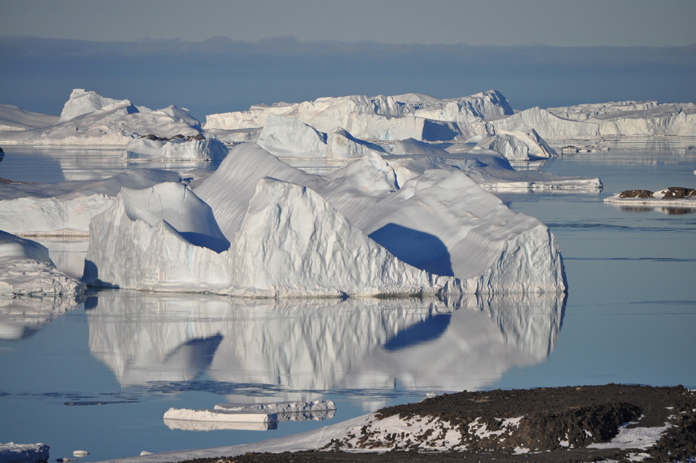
616	119
295	234
354	113
89	119
219	415
26	269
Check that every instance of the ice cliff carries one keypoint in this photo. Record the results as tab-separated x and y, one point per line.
620	119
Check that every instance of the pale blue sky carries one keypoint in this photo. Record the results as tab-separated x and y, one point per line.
492	22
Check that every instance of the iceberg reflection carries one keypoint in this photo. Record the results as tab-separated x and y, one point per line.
307	347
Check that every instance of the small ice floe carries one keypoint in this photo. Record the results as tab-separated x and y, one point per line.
23	453
80	453
145	452
219	415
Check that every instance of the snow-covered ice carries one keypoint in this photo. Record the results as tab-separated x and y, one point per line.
219	415
295	234
14	118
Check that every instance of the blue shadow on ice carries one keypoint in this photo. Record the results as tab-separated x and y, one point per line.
422	332
416	248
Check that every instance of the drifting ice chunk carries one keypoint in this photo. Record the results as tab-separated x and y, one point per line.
175	150
219	415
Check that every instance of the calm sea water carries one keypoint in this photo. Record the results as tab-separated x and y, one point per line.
100	377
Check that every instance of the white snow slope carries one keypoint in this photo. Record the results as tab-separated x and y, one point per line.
65	209
90	119
295	234
13	118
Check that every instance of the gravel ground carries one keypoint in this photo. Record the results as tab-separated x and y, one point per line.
575	416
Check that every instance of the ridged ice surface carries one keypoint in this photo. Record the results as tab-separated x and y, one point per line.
354	232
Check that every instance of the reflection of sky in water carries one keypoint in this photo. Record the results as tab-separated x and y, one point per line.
629	318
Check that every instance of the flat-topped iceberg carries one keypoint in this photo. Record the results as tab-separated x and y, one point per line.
622	119
294	234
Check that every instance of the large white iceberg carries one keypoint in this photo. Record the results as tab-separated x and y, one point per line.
90	119
295	234
588	122
349	112
387	118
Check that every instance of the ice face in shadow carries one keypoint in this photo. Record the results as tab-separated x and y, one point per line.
293	347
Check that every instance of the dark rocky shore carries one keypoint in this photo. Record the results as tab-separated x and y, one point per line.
558	425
